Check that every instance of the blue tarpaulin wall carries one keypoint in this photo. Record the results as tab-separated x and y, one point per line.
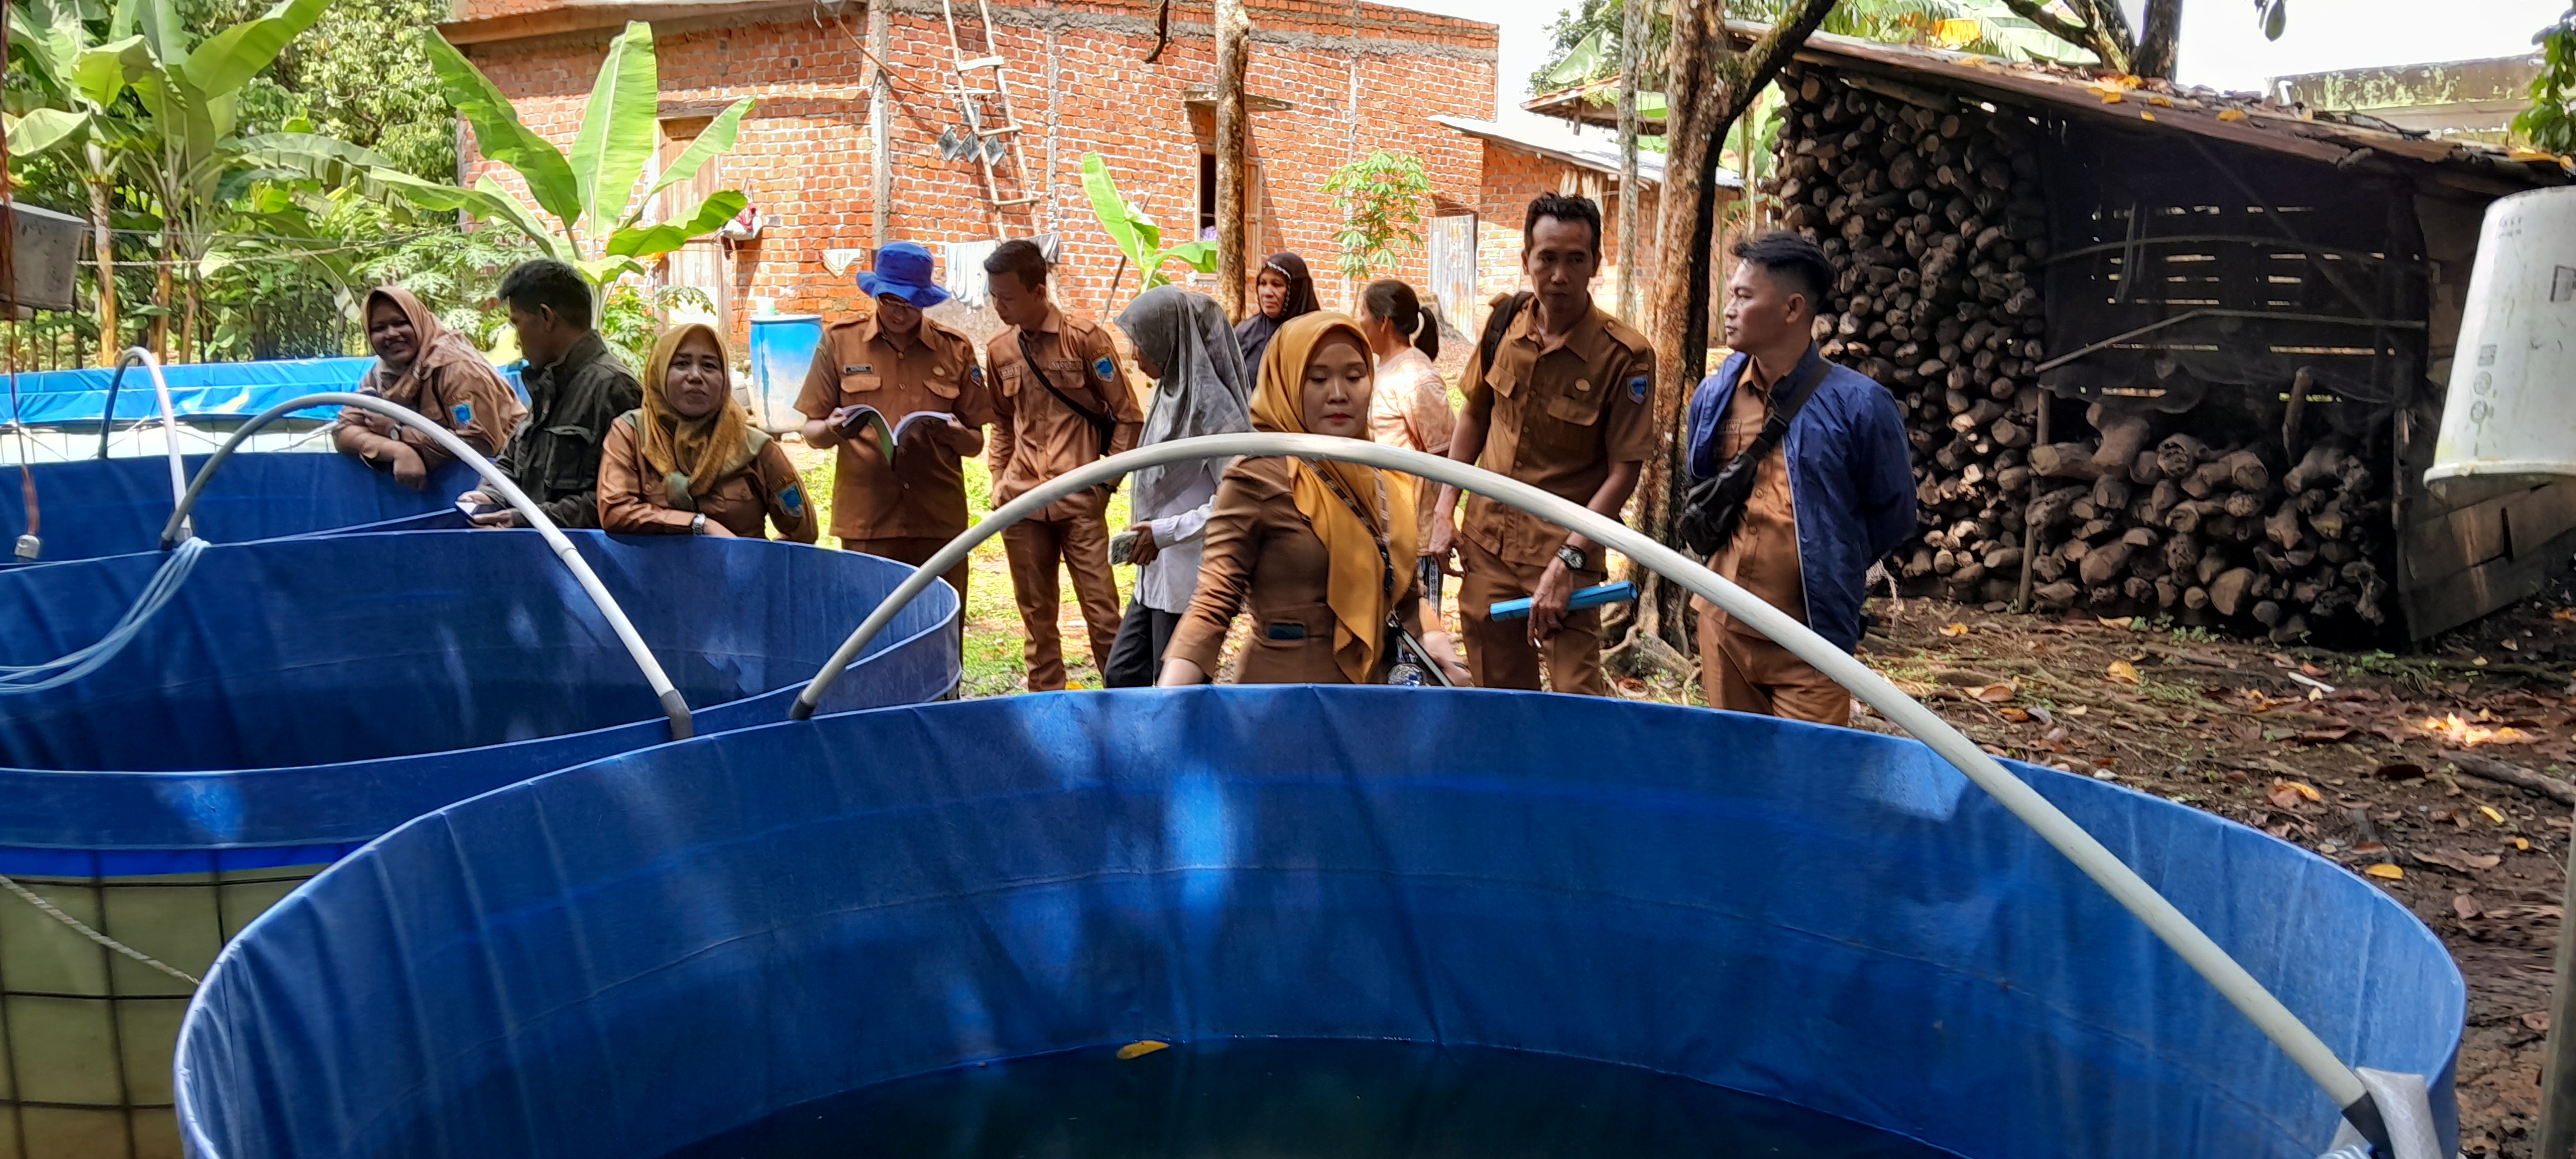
97	507
197	390
305	694
644	952
230	389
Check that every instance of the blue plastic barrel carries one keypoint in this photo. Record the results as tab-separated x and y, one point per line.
782	348
643	953
99	507
298	698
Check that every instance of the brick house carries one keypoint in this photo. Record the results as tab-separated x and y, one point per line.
1329	82
1521	162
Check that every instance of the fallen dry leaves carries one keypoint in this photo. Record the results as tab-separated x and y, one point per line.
2123	672
2463	734
2291	794
2386	872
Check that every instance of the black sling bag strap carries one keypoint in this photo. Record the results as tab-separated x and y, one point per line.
1714	508
1498	324
1101	424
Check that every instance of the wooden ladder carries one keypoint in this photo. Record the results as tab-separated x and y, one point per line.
987	110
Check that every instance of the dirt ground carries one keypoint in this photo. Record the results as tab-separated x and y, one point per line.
2337	751
2340	752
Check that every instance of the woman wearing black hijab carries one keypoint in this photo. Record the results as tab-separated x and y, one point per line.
1283	291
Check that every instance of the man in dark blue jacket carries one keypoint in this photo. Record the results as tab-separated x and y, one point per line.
1827	500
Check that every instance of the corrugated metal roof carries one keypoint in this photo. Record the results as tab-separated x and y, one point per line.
2156	106
1584	152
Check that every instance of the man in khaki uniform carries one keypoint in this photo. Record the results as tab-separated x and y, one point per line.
899	363
1568	407
1062	401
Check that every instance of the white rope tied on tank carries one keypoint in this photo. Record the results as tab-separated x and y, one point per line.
55	912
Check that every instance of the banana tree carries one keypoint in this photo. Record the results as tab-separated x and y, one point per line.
160	108
1139	240
598	224
72	79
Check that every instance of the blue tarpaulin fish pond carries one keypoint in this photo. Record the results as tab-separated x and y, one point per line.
100	507
645	953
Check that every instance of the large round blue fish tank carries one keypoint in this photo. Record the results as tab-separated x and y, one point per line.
299	697
656	953
98	507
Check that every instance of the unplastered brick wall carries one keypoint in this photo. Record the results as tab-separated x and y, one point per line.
1516	177
1356	77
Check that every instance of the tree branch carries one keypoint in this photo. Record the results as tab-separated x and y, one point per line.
2159	40
2112	40
1761	64
2048	22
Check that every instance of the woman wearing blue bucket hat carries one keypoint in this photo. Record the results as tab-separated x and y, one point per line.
869	376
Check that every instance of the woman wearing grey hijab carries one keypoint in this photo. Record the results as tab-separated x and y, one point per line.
1183	343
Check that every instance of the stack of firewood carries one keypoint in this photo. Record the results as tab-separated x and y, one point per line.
2218	535
1933	218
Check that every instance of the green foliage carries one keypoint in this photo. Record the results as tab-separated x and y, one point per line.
630	318
1134	232
1380	199
589	191
2549	123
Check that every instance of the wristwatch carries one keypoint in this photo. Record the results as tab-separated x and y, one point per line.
698	526
1570	557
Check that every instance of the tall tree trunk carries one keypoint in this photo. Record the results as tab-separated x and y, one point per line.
191	349
2159	40
1632	34
161	289
1233	58
1708	87
103	238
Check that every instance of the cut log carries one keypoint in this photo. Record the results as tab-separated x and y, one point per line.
2227	592
2065	461
2105	562
2179	454
2122	438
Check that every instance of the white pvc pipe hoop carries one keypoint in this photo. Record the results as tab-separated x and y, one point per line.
169	420
673	705
2197	950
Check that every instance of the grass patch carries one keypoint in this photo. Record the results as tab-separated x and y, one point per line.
993	664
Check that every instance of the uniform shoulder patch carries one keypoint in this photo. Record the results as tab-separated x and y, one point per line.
1637	388
792	501
975	374
463	413
1104	369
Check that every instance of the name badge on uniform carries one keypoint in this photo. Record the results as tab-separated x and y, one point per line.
1104	369
1637	389
463	413
869	368
792	501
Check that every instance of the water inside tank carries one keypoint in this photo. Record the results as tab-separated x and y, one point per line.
1299	1098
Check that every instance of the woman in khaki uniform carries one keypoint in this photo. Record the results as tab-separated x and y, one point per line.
427	368
690	461
1322	551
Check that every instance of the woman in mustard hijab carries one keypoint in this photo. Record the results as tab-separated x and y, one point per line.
434	371
1321	551
690	461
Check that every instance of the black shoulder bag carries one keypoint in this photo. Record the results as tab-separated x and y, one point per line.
1714	508
1409	663
1101	424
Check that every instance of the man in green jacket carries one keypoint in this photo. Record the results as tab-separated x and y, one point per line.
576	388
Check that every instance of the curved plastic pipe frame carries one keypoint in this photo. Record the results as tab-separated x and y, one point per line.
169	419
673	705
2203	955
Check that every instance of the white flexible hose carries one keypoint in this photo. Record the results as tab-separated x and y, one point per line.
2203	955
673	705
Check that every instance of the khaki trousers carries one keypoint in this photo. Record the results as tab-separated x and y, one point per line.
1499	653
915	550
1747	673
1081	543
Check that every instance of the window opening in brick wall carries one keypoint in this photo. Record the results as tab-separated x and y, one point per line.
1207	196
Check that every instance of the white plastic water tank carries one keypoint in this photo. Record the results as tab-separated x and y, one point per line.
2511	409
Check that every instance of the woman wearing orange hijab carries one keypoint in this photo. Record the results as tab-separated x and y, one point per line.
1322	551
428	368
690	461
